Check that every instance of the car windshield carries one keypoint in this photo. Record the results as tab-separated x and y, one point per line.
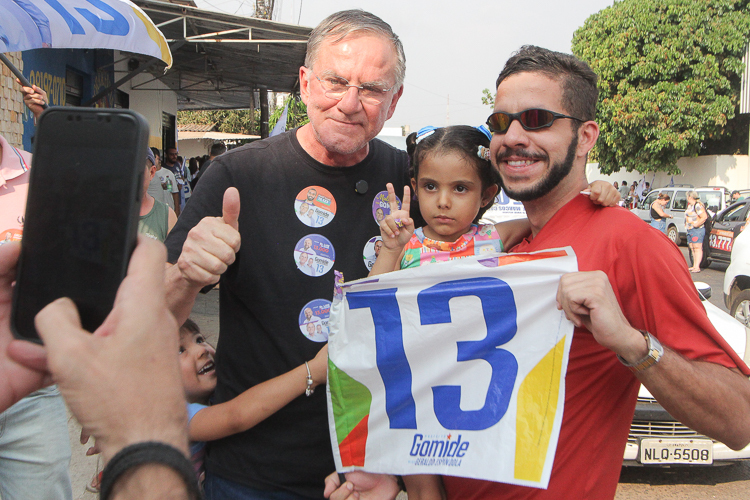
711	199
733	214
650	199
679	202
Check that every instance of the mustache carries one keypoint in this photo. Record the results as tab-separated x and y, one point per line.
508	152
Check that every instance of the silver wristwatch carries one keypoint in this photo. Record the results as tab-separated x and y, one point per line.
655	352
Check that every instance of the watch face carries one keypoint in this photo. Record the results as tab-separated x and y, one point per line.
654	354
655	346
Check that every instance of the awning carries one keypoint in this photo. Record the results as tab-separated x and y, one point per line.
220	59
215	136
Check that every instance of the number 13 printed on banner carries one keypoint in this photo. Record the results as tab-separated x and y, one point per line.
392	407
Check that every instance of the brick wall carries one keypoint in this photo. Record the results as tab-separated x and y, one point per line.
11	102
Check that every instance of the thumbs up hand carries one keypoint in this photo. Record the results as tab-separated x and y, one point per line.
211	246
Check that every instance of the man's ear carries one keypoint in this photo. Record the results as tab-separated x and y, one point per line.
394	101
489	194
304	84
588	133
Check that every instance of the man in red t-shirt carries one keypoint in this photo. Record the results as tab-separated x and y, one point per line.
634	290
638	317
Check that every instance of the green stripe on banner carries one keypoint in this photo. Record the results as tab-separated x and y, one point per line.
349	412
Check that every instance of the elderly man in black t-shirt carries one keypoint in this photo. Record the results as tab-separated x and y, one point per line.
352	79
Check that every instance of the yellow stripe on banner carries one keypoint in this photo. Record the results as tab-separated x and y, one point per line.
537	404
156	36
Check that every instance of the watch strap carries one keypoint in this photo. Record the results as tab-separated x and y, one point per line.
654	354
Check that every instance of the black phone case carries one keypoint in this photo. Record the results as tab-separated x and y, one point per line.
92	288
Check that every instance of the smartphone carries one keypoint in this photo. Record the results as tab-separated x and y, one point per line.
81	221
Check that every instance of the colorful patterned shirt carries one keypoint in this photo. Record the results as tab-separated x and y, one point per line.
422	250
692	214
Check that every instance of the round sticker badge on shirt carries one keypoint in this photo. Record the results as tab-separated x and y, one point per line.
313	320
315	206
10	235
371	251
381	207
314	255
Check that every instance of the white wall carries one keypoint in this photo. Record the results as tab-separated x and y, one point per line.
150	100
730	171
593	174
194	147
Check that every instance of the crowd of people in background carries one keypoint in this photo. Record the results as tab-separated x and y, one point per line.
176	176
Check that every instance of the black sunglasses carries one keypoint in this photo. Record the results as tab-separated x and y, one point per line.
530	119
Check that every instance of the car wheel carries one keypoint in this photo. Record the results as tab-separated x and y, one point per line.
741	307
674	235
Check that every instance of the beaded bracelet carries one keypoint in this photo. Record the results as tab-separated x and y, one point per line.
309	389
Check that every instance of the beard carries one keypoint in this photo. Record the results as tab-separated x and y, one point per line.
557	172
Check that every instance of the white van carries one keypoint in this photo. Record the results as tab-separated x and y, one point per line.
715	199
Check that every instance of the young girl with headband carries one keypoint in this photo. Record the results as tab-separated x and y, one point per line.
454	184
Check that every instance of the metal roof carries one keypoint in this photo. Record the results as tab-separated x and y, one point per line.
220	59
214	136
196	127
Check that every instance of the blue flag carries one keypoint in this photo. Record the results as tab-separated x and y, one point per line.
280	126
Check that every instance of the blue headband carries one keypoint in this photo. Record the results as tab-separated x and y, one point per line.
483	129
425	132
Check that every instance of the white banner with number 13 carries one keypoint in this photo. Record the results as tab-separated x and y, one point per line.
454	368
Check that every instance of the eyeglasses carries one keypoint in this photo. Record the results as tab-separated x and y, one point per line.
336	87
530	119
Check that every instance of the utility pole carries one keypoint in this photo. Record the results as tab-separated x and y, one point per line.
264	9
448	111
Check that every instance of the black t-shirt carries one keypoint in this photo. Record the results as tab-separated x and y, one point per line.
274	300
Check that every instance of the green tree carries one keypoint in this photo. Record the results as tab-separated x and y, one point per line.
296	116
230	121
669	80
246	121
488	98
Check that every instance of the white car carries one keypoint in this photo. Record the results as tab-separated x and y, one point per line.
657	439
737	279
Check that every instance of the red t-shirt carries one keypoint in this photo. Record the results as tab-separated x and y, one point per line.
654	288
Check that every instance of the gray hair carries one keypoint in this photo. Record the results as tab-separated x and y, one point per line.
693	195
339	25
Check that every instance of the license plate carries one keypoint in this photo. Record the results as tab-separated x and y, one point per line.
676	451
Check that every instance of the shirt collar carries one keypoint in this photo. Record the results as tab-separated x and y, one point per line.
14	162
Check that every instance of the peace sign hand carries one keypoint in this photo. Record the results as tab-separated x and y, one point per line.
397	227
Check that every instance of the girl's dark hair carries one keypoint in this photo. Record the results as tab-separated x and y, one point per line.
460	139
190	326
